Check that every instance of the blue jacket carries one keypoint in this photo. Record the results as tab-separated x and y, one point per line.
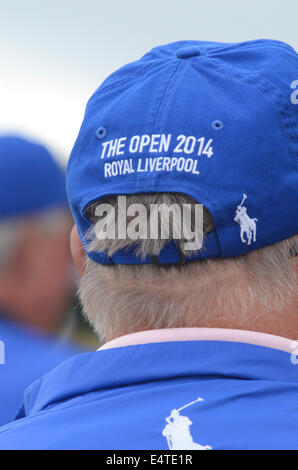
178	395
25	356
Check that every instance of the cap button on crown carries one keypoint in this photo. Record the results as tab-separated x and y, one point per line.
185	52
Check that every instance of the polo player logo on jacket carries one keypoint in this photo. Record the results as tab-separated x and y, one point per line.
248	226
177	431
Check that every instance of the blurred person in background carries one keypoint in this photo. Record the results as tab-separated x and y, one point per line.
36	278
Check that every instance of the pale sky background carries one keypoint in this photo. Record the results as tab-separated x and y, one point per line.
54	54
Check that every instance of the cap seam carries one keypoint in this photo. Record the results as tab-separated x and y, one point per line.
168	88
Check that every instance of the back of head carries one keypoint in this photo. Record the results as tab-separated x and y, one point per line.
191	123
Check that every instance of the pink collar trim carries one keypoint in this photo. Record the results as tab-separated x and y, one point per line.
201	334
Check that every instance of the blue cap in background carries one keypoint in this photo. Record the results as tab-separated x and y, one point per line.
215	121
31	180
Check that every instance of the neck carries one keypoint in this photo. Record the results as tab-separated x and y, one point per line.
279	323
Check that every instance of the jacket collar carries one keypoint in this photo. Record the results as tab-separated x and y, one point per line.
124	366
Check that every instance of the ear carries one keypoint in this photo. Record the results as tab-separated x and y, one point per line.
77	250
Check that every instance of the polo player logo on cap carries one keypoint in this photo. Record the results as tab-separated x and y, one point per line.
177	431
248	226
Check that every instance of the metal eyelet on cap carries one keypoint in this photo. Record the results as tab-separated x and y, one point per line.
101	132
218	125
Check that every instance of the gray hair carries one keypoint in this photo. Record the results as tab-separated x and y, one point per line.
122	299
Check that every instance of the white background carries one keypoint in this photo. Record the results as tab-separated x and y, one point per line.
55	53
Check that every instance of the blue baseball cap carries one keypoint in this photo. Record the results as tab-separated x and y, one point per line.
218	122
30	179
